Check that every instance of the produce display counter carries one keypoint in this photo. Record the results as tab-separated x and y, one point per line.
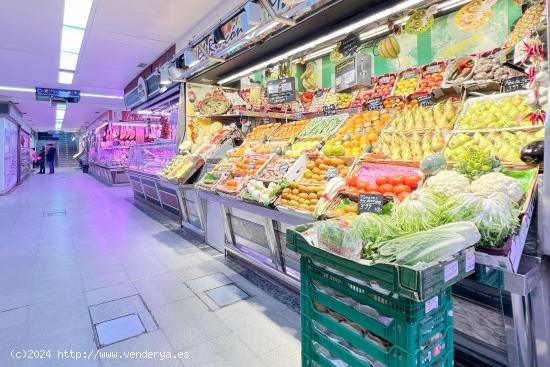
109	175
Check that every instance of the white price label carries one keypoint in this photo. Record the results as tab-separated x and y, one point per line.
450	271
431	304
470	260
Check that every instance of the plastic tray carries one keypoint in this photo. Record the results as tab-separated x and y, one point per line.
413	283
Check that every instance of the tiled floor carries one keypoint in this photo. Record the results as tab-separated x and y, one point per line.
69	246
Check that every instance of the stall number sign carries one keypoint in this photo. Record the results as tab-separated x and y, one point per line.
376	103
331	173
371	203
426	100
329	110
515	83
281	90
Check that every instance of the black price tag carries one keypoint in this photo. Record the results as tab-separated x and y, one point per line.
283	168
331	173
281	90
329	110
371	203
376	103
426	100
515	83
349	45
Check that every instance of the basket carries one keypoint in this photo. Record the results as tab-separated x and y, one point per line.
413	283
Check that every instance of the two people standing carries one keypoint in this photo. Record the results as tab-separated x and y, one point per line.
47	156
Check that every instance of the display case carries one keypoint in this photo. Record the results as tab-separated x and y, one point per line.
151	158
112	157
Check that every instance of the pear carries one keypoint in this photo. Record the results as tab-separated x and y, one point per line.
450	111
406	154
415	138
426	144
438	142
416	151
396	154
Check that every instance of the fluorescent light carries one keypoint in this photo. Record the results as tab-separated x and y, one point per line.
68	61
65	77
61	106
17	89
100	96
71	39
321	52
340	32
194	63
451	4
59	114
76	12
145	112
58	125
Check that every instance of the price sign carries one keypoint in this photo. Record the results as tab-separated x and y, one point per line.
349	45
426	100
329	110
408	74
433	68
515	83
331	173
384	80
281	90
371	203
283	168
376	103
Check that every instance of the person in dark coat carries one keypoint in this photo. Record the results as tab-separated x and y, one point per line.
50	157
42	161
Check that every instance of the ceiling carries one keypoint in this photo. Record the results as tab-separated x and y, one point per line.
120	34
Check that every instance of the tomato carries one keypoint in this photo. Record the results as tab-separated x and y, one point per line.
382	180
385	188
412	181
362	185
399	189
372	187
351	181
373	192
396	180
403	196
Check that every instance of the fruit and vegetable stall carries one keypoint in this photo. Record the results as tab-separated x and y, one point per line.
391	205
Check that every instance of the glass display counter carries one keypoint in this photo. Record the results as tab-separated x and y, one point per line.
151	158
109	165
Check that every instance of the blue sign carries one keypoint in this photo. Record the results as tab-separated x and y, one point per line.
46	94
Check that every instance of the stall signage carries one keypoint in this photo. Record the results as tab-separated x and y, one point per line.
46	94
371	203
426	100
408	74
349	45
281	90
329	110
331	173
515	83
384	80
433	68
345	75
376	103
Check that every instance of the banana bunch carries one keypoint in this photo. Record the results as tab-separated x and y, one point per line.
309	80
389	48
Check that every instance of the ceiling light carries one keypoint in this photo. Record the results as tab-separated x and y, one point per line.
321	52
145	112
71	39
61	106
68	61
58	125
59	114
76	12
17	89
65	77
100	96
451	4
219	37
340	32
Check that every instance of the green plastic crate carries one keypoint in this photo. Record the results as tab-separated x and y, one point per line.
408	336
312	337
416	284
491	277
389	305
319	360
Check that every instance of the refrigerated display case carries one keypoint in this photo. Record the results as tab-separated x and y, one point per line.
109	165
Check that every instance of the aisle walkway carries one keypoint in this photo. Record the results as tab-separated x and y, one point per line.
74	253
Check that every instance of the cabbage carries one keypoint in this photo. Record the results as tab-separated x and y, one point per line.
421	210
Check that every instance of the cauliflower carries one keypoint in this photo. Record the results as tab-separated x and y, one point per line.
449	183
497	182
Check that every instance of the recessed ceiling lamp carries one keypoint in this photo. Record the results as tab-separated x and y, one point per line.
75	18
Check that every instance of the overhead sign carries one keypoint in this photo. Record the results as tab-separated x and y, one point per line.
281	90
47	94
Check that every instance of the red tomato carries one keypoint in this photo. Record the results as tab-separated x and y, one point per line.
362	191
412	181
385	188
362	185
399	189
396	180
373	192
351	181
382	180
372	187
403	195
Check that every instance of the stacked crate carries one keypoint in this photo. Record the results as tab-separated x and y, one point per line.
348	319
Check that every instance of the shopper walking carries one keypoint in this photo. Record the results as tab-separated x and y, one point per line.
42	160
50	157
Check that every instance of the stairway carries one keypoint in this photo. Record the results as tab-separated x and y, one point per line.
67	148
